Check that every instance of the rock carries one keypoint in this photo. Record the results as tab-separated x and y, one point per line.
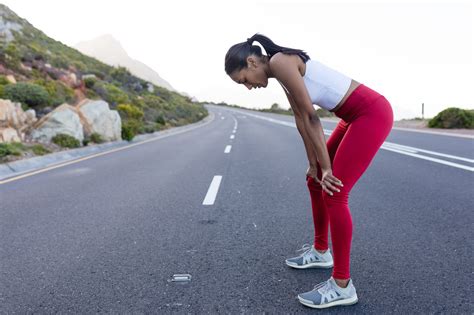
9	135
63	119
14	120
97	117
11	79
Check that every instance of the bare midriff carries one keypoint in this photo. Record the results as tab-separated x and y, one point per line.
352	87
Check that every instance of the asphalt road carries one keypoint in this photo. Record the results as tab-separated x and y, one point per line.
108	233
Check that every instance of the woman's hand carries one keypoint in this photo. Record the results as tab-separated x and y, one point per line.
312	171
329	182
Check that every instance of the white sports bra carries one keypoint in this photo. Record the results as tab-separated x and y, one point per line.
326	86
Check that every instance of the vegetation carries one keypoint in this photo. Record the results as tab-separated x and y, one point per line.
453	117
27	93
13	148
66	141
50	73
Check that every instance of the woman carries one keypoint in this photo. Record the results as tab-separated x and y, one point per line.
335	166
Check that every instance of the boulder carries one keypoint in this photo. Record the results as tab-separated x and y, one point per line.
9	135
97	117
63	119
14	122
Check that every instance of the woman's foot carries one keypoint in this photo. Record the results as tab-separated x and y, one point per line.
328	293
311	258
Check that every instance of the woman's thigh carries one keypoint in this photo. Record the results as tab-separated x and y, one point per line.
363	138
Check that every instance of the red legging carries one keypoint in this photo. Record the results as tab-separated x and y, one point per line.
366	121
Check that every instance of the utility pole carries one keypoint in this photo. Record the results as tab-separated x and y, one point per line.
423	111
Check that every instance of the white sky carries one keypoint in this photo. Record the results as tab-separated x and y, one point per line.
409	51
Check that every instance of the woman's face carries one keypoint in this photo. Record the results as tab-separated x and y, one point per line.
254	76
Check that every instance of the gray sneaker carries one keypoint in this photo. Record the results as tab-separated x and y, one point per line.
311	258
328	293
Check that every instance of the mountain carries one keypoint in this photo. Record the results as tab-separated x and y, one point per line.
42	73
109	50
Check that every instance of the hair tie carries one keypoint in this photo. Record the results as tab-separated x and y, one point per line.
249	41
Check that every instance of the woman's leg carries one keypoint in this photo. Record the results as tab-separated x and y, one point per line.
320	213
361	142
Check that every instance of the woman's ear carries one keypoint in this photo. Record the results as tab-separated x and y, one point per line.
251	62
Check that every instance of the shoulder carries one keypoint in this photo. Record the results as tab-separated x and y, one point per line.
281	63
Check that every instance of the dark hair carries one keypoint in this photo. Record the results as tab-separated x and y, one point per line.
236	57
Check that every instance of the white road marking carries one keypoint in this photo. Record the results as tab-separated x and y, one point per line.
435	132
227	149
212	191
464	167
405	147
232	136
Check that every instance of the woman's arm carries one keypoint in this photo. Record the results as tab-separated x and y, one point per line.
286	72
310	149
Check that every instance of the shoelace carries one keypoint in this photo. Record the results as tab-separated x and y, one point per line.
321	284
326	287
305	248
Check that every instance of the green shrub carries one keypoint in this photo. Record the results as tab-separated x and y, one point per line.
130	129
115	95
27	93
14	148
160	119
89	82
96	138
130	111
453	117
4	80
38	149
12	56
59	93
66	141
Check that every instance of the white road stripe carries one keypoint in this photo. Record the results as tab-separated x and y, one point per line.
212	191
232	136
387	145
227	149
464	167
405	147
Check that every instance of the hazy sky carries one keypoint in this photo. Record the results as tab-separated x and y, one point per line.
410	51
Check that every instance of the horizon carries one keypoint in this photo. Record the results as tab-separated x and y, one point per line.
426	59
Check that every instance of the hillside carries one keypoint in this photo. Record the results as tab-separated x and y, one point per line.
52	73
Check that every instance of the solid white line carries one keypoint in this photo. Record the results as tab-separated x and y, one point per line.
387	145
464	167
435	132
227	149
405	147
212	191
232	136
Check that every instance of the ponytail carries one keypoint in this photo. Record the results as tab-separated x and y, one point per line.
236	57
